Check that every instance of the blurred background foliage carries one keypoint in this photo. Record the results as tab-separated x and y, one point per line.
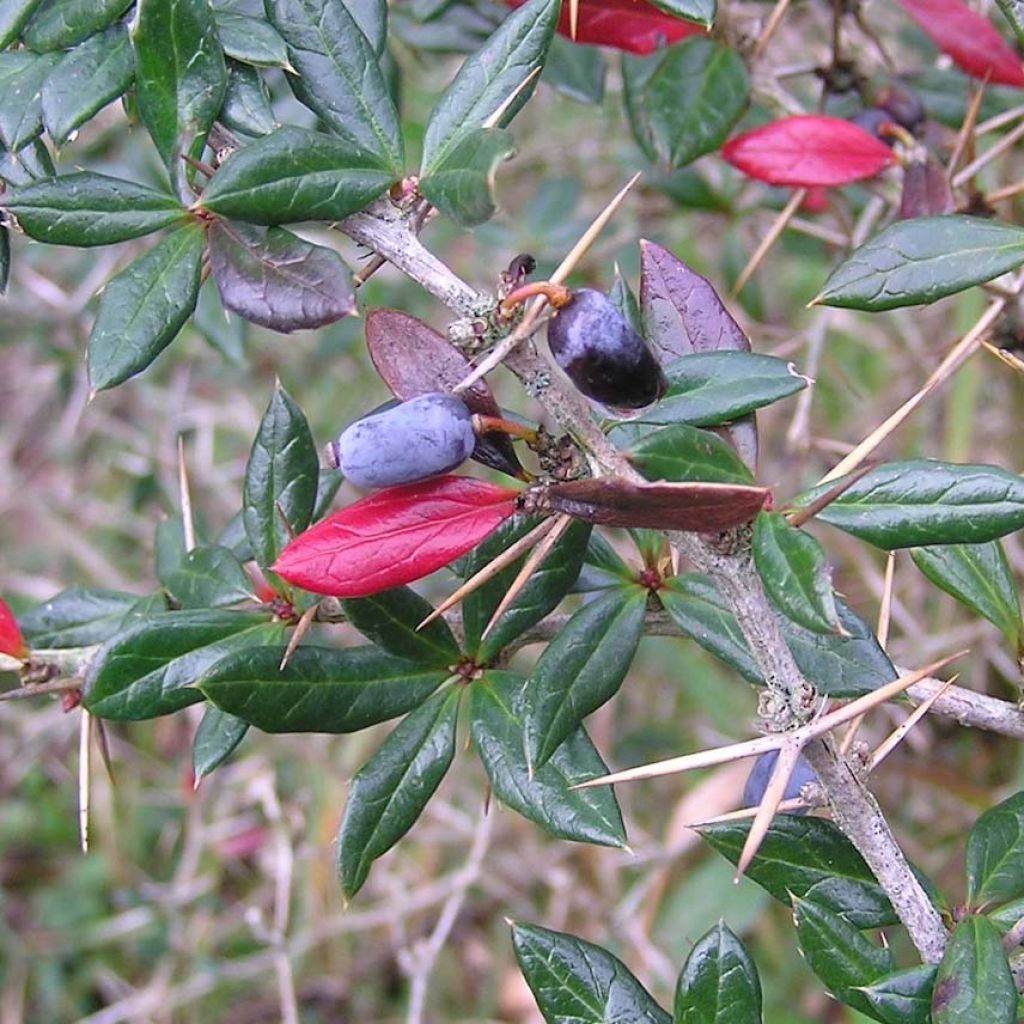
166	918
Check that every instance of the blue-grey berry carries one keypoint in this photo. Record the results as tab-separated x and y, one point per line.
761	773
602	355
410	441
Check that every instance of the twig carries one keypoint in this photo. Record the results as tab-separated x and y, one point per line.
1006	142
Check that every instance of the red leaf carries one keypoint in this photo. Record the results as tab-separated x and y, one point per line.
395	536
630	25
807	151
971	40
698	507
11	640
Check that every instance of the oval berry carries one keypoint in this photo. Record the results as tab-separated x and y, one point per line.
602	355
761	773
410	441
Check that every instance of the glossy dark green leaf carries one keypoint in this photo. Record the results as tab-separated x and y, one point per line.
209	577
546	796
86	80
90	209
576	982
22	77
979	577
602	567
372	17
575	70
580	669
682	453
718	983
320	689
974	982
546	587
390	791
995	854
1014	13
339	78
180	75
921	502
391	619
846	665
271	277
622	298
461	184
903	997
714	387
150	667
841	956
13	16
144	306
684	100
27	164
797	855
250	40
921	260
795	573
247	106
217	737
58	24
76	617
280	479
488	79
294	174
701	11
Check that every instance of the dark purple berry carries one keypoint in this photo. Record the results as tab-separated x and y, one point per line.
874	120
602	355
761	773
903	106
414	440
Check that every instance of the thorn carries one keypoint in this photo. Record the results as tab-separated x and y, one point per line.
773	22
574	18
495	119
789	753
84	736
778	226
800	516
900	733
288	528
187	523
301	628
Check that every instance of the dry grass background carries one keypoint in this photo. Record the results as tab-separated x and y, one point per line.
213	906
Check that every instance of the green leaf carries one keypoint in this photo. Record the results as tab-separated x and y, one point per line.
339	78
216	739
622	298
1013	10
576	982
390	791
847	664
842	958
922	502
581	669
99	70
27	164
602	567
575	70
903	997
13	16
995	854
271	277
320	689
250	40
150	667
718	983
280	479
979	577
546	797
974	982
372	17
180	74
710	388
391	619
921	260
488	79
58	24
684	100
209	577
76	617
701	11
681	453
90	209
144	306
22	77
461	185
294	174
799	854
795	573
541	595
247	106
